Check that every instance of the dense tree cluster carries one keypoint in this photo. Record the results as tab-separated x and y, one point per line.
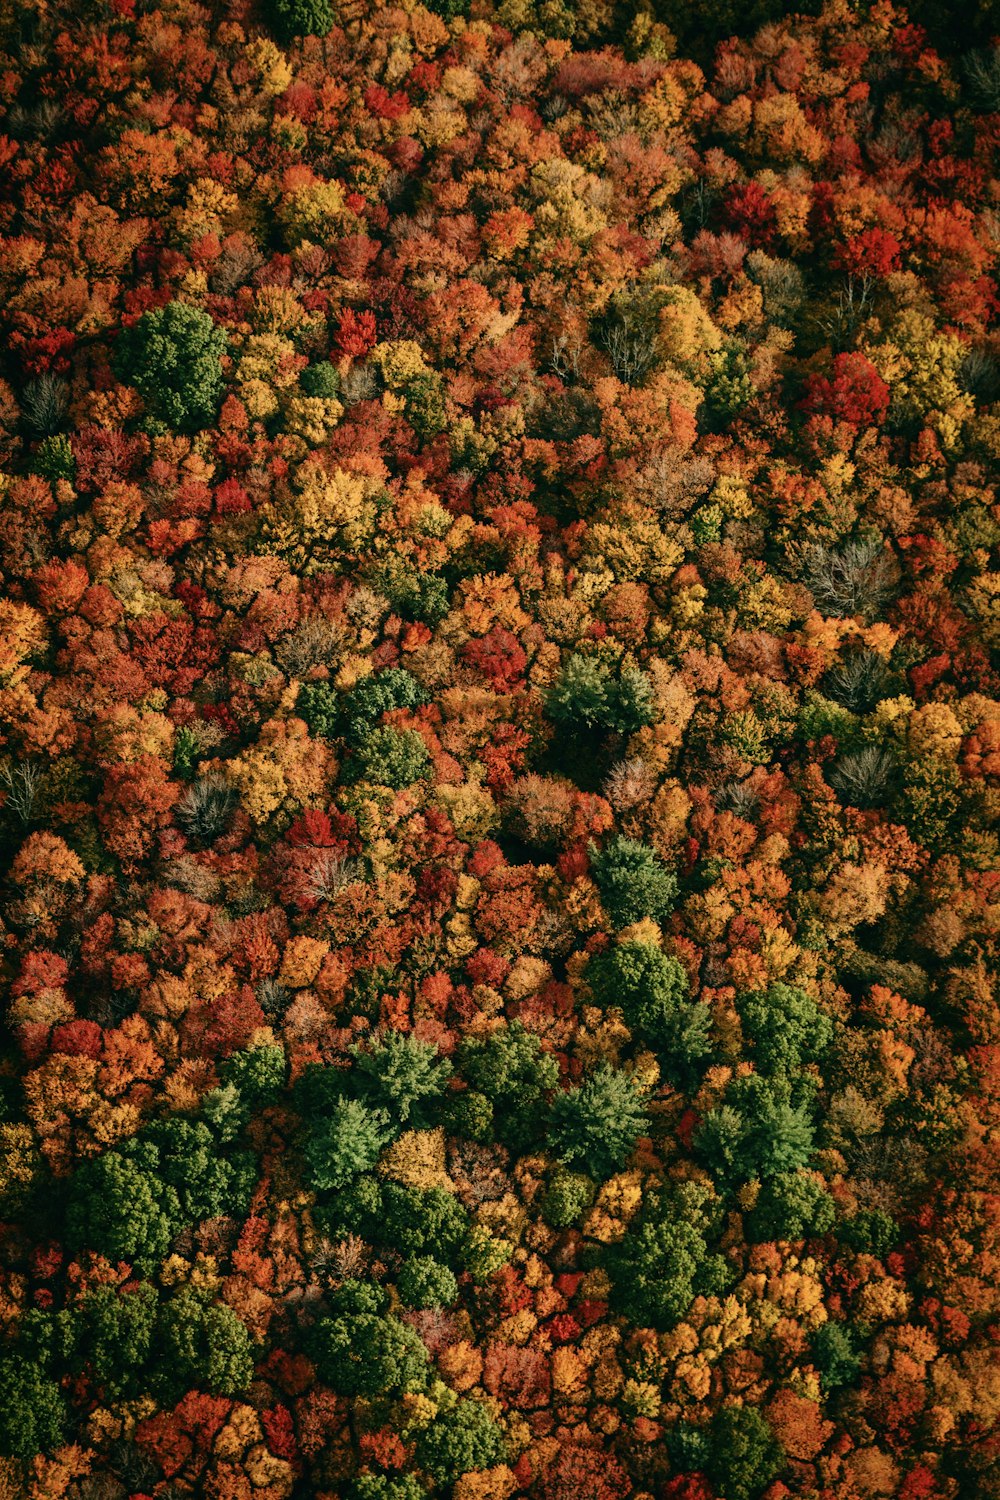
499	751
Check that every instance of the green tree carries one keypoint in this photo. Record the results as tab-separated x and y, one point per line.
633	881
731	385
295	18
122	1209
188	1160
32	1409
389	757
469	1114
367	1354
427	1221
54	459
402	1076
259	1074
385	1487
511	1069
425	399
785	1026
449	9
344	1143
355	713
837	1359
115	1333
587	695
743	1453
651	989
320	379
567	1198
789	1206
173	357
755	1132
355	1209
371	697
664	1261
460	1441
319	704
224	1112
202	1345
872	1231
596	1125
354	1296
425	1282
413	594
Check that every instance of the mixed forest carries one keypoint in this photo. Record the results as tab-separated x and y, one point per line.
499	750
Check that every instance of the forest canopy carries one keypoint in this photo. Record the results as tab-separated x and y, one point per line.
499	750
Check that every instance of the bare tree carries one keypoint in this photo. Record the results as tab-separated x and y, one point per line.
861	779
856	579
44	403
628	336
206	808
982	77
20	782
860	682
330	874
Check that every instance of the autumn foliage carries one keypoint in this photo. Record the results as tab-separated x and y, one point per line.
499	751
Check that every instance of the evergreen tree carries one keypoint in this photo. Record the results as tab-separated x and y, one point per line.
596	1125
173	356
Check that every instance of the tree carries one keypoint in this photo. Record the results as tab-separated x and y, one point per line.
836	1357
786	1028
320	378
633	881
115	1337
449	9
355	713
756	1132
854	392
206	808
597	1124
402	1076
425	1282
204	1345
743	1454
188	1160
584	1473
863	778
872	1231
651	988
121	1208
731	384
173	356
460	1441
790	1205
860	681
855	579
389	757
367	1354
663	1262
295	18
424	1221
587	695
258	1074
385	1487
628	332
344	1143
510	1068
567	1198
469	1114
32	1409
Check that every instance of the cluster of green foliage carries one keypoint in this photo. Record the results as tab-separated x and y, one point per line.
173	356
589	695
